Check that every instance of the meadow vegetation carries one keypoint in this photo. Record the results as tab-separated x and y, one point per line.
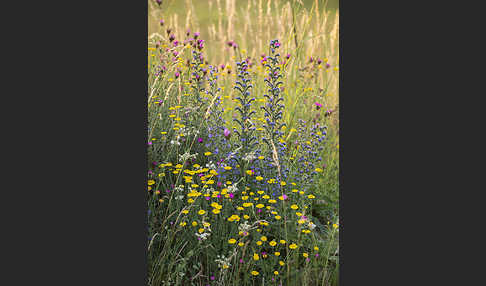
243	143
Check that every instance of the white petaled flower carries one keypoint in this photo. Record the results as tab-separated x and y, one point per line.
312	226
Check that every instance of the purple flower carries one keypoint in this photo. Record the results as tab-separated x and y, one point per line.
196	34
227	133
319	61
231	195
328	66
212	278
177	74
288	56
318	105
162	22
200	140
241	260
188	32
159	2
171	37
176	43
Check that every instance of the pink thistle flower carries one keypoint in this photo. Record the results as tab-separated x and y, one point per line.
227	133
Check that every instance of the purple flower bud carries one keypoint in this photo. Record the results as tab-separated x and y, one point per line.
176	43
318	105
328	66
287	56
162	22
319	61
159	2
171	37
188	32
227	133
200	140
177	74
196	34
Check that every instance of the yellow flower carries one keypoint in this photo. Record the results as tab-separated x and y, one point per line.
293	246
254	273
263	238
183	224
277	253
207	153
246	216
249	172
261	157
277	217
151	182
259	243
201	230
259	178
216	211
319	170
305	254
273	243
232	241
311	196
281	263
201	212
256	256
185	211
260	206
283	183
227	167
275	272
335	225
316	248
294	207
283	241
240	244
194	223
